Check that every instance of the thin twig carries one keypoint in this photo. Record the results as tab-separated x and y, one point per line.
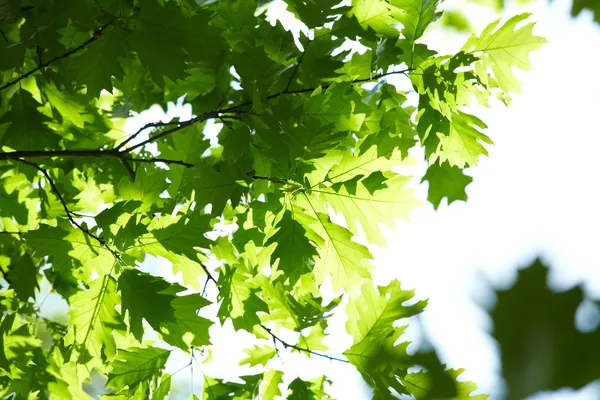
184	124
253	175
12	233
296	68
239	107
209	276
155	160
302	349
66	208
143	128
96	35
17	155
4	36
324	87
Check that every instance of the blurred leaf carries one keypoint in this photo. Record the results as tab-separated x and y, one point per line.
541	349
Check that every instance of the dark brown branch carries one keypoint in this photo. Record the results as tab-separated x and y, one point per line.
97	34
364	80
239	107
143	128
252	175
66	208
18	155
296	68
155	160
184	124
286	345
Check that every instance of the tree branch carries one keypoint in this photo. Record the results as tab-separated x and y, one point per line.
184	124
120	153
364	80
18	155
143	128
302	349
66	208
155	160
97	34
296	68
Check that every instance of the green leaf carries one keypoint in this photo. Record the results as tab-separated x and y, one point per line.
417	16
316	13
371	319
149	184
164	37
239	298
464	143
378	15
445	181
435	381
94	318
217	389
23	276
358	201
163	389
215	187
269	386
27	128
342	259
135	365
258	355
294	249
308	390
339	104
503	48
563	355
104	56
151	298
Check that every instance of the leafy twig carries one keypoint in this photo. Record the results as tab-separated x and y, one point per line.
66	208
96	35
287	345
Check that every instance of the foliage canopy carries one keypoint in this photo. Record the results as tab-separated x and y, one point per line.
307	128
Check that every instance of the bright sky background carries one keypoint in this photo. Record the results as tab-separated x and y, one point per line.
535	195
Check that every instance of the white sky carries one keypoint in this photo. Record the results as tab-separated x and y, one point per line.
534	195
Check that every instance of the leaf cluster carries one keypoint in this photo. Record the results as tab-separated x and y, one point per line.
306	129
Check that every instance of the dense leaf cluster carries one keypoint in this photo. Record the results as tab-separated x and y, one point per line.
307	128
